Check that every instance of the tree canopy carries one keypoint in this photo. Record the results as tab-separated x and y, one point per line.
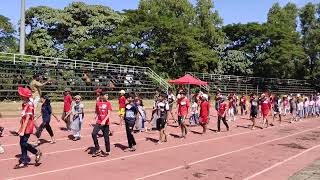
175	36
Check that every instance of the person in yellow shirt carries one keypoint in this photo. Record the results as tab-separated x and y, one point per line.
36	87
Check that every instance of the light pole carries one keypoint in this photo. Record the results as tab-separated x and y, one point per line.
22	28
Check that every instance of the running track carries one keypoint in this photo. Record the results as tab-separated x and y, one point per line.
272	153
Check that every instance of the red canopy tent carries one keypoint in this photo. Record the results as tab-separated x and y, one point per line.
188	79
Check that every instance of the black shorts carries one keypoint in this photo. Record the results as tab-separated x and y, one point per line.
161	123
253	114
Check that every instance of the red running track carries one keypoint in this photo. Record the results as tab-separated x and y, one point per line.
272	153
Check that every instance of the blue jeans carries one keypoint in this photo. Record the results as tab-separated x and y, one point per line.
194	119
25	147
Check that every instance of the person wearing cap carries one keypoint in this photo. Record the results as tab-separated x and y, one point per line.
67	101
103	108
46	113
204	112
36	87
265	110
122	106
77	117
183	104
26	128
222	112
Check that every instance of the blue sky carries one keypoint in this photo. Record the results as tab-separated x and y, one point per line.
232	11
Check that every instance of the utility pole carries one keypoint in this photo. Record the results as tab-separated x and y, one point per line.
22	28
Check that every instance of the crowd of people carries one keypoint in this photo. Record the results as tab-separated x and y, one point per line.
190	111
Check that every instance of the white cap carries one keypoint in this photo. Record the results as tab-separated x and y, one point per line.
205	96
122	92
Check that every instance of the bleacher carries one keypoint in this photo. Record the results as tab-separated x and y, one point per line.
83	77
243	84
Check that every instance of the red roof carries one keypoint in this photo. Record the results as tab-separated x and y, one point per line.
188	79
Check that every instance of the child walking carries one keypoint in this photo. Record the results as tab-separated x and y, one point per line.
162	108
122	106
204	112
222	113
254	110
142	115
67	107
265	109
77	119
103	111
183	107
26	128
130	116
194	119
46	112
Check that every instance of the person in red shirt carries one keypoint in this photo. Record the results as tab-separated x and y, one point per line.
222	111
204	112
183	106
26	128
122	106
104	109
67	107
243	104
265	109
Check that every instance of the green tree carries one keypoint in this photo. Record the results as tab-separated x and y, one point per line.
7	40
79	31
310	28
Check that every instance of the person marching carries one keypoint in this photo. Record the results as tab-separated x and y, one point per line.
77	119
243	104
130	116
46	112
277	105
222	111
26	128
162	108
254	110
265	110
231	109
67	107
204	112
183	107
122	106
171	100
103	110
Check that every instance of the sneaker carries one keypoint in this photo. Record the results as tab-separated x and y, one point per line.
38	156
20	165
96	153
133	149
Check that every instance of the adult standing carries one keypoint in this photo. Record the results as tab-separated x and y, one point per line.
36	87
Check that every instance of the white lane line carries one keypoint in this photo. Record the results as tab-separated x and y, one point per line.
220	155
144	153
282	162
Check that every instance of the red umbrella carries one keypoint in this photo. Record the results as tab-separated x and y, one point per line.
188	79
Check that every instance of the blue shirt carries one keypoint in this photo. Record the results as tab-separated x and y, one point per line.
46	112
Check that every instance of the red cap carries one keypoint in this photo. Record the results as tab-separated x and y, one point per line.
25	92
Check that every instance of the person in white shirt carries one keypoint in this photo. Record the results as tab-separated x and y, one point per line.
312	108
300	108
171	101
194	118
